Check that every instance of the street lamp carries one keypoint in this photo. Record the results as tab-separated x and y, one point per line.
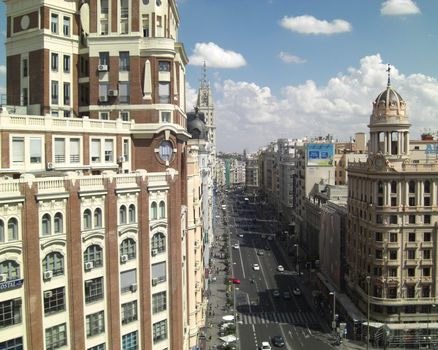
334	312
368	278
297	267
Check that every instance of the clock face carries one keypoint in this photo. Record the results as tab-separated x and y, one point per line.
165	151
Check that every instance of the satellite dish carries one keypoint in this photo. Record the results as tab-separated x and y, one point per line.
85	18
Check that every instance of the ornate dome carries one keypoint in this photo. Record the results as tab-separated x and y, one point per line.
389	97
389	104
196	125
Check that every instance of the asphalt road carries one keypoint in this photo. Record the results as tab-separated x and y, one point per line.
262	315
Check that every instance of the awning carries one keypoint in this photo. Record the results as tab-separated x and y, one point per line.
407	326
373	324
228	338
228	318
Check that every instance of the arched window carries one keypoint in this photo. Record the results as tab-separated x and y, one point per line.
154	210
98	217
12	229
94	254
426	186
132	213
2	231
87	219
393	187
411	186
122	214
46	226
162	210
380	187
54	262
128	248
58	223
11	269
158	243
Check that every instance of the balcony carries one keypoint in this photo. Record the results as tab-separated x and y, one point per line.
411	262
411	244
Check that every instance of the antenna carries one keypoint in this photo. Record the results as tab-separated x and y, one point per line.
388	70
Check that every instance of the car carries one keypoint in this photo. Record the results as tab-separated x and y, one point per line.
278	341
286	295
240	235
260	252
280	268
270	238
276	293
265	346
236	245
234	281
256	267
297	291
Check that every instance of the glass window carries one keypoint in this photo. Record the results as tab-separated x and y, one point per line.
127	280
164	66
54	23
124	16
124	61
54	262
165	151
427	254
75	151
95	324
109	151
159	272
411	186
66	26
66	65
104	7
54	92
104	58
124	115
10	313
59	150
132	218
159	302
128	248
94	254
54	61
162	210
164	92
13	344
130	341
98	347
25	67
2	231
66	94
158	242
126	149
35	150
54	300
86	219
11	269
124	92
18	149
426	186
154	212
98	218
129	312
122	215
165	117
93	290
56	337
427	236
160	331
95	151
12	229
46	225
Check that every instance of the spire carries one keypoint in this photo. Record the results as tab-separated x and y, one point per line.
389	74
204	82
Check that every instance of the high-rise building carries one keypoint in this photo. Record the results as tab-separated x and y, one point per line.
93	189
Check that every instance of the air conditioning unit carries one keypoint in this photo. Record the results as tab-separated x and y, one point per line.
113	92
154	281
48	294
102	67
103	98
49	165
89	265
154	252
3	277
133	287
47	275
124	258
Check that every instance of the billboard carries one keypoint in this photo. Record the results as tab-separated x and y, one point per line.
320	154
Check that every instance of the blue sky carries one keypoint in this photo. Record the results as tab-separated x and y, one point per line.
295	68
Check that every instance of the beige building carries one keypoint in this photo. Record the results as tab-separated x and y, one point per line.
392	218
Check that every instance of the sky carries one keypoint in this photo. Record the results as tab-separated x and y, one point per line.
305	68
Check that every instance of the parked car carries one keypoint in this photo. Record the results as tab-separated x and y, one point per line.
276	293
256	267
265	346
278	341
280	268
260	252
236	245
297	291
234	280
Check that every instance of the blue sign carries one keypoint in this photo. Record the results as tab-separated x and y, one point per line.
10	285
320	154
431	149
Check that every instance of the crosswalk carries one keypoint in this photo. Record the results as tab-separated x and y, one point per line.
296	318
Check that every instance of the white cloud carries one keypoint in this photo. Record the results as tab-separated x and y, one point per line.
288	58
215	56
311	25
399	8
2	69
250	116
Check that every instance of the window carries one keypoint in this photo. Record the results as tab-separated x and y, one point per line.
13	344
124	16
393	219
159	242
393	254
164	66
154	213
380	187
124	61
426	186
159	272
426	271
165	150
66	94
165	117
130	341
66	64
127	280
426	236
59	150
74	150
95	151
10	313
66	26
427	254
126	149
95	324
56	337
11	269
25	68
164	92
162	210
124	92
412	219
427	219
122	215
411	254
103	92
411	186
24	97
54	61
145	26
35	150
54	300
411	272
54	262
129	312
54	23
124	115
109	151
104	7
128	248
86	219
379	201
411	236
393	201
132	214
54	92
104	26
93	290
393	272
427	201
2	231
104	58
12	229
159	302
159	31
98	347
160	331
393	187
18	149
94	254
412	201
46	225
378	254
104	115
